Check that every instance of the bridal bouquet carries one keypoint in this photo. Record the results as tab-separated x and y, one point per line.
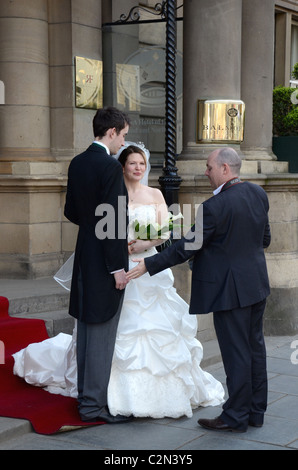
153	231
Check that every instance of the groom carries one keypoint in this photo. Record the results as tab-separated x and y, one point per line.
100	264
229	278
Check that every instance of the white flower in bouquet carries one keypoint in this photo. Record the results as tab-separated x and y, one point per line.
153	231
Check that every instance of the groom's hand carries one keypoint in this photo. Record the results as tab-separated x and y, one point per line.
138	270
120	279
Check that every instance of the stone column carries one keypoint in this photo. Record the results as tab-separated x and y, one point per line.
74	30
39	40
211	66
211	70
257	77
24	69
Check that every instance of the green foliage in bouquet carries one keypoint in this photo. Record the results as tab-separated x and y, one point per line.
153	231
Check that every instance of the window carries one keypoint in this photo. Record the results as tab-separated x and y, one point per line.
294	45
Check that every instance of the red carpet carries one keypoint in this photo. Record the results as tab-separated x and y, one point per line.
47	413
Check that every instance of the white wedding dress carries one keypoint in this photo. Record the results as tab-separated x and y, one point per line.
156	365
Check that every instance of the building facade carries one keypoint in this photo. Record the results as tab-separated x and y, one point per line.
60	59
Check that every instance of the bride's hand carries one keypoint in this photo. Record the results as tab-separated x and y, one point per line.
131	247
138	246
138	270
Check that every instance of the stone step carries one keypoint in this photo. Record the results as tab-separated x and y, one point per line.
38	303
33	295
41	298
58	321
11	428
52	308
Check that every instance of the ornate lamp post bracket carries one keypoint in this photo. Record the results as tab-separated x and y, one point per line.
134	15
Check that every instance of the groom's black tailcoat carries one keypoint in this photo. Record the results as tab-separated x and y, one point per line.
229	270
96	178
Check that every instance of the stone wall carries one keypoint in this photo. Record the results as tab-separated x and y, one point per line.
41	129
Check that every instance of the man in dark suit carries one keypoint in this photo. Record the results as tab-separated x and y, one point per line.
229	278
95	187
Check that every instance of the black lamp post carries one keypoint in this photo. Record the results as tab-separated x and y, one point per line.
170	181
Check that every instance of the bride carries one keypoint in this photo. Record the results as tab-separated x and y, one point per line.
156	365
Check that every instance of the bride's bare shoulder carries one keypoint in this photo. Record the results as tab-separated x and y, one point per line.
154	194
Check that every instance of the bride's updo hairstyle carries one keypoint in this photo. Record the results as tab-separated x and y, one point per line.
135	147
128	151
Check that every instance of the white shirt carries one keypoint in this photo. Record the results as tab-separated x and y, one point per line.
103	145
217	190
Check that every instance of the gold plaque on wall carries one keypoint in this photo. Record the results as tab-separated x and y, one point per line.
88	83
220	121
